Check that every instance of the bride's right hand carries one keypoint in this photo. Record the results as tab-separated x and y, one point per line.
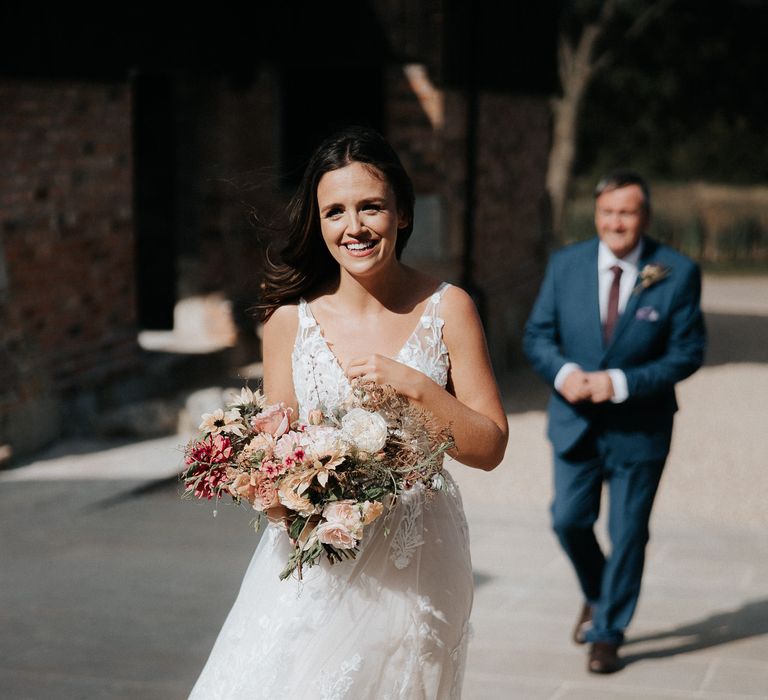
384	370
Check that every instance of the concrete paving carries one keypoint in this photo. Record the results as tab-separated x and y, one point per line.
113	587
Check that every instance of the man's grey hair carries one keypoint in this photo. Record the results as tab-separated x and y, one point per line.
623	178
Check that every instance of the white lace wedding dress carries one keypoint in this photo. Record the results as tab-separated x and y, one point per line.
391	624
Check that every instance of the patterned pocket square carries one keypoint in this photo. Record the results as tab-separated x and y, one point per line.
647	313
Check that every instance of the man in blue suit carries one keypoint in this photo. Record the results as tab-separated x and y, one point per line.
616	325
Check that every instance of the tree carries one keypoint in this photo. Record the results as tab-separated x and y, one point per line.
582	53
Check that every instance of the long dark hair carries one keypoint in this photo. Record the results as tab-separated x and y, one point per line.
304	262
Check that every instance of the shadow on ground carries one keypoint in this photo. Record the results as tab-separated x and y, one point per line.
750	620
170	484
736	338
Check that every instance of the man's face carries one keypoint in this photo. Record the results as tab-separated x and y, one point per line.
620	218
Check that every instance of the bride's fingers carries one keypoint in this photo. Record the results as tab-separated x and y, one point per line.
363	365
372	368
355	367
355	371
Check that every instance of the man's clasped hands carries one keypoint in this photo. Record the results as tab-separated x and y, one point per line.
587	386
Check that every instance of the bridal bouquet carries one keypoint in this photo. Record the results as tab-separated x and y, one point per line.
325	481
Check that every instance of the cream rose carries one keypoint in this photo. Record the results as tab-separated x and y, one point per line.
365	429
336	535
346	513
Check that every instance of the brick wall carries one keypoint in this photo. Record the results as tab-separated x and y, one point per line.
66	232
509	247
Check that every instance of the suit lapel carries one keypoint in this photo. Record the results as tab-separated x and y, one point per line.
649	250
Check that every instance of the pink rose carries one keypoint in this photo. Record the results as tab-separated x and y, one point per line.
243	485
336	535
266	494
275	420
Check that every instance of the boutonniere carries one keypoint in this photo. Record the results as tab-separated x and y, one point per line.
650	275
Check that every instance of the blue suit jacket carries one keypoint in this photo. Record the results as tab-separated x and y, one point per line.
659	339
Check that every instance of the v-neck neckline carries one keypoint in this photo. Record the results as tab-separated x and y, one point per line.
321	332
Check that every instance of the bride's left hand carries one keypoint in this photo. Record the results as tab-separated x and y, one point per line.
384	370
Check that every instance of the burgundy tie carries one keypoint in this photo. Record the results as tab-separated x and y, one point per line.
612	313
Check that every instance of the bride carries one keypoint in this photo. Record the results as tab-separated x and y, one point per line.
393	623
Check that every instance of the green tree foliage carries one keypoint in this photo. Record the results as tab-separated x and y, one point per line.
682	97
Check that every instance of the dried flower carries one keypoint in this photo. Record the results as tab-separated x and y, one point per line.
650	275
315	417
246	397
371	510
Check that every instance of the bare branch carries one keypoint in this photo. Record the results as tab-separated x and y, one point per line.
646	17
590	36
637	27
565	62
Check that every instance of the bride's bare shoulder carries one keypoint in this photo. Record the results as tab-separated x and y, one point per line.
457	304
283	322
458	311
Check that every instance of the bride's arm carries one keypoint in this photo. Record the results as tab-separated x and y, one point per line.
279	335
474	410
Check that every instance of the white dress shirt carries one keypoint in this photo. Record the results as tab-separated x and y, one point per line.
629	271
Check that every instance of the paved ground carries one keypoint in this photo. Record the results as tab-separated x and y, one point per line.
112	587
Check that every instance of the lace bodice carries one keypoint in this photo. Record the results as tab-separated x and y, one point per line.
320	382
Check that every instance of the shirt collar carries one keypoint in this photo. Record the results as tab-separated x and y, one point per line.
606	259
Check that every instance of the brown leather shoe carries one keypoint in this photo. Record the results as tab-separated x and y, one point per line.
582	625
603	658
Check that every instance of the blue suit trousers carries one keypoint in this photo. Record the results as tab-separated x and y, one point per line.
610	583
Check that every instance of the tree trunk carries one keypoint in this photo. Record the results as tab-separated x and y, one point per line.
576	66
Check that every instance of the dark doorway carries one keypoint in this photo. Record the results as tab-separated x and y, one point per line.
316	101
154	163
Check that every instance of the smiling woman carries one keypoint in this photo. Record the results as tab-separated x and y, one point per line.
359	219
339	305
